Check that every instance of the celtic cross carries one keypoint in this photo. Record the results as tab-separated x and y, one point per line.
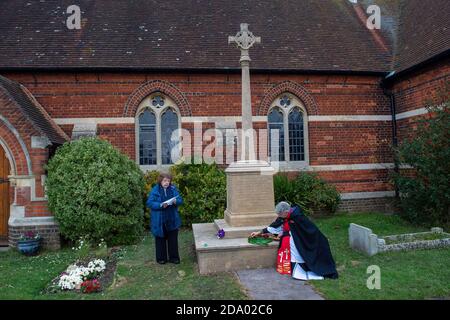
244	39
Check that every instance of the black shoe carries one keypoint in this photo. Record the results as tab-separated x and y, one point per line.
176	261
161	261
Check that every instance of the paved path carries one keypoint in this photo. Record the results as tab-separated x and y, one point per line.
267	284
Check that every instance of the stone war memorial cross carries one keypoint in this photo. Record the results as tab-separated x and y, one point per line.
245	40
250	194
250	199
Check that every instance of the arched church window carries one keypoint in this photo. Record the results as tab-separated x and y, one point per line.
158	121
288	115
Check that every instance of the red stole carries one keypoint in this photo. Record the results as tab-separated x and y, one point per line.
284	252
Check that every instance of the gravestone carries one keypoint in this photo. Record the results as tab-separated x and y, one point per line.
362	239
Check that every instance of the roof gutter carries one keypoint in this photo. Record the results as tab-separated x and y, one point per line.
393	76
111	69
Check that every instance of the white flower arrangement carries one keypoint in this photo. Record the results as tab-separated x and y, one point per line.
97	265
69	282
75	275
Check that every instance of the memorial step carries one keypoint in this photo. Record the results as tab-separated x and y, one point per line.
216	255
235	232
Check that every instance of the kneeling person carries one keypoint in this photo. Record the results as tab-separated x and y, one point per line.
304	251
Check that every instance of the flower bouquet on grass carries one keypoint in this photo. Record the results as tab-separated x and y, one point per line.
76	275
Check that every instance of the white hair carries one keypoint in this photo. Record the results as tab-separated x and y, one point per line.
282	207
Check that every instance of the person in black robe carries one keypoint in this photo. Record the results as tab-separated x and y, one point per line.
311	246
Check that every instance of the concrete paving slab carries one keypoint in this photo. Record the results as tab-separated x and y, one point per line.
267	284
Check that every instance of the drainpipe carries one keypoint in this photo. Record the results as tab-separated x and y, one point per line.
390	94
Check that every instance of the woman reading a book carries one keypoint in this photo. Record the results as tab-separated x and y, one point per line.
163	201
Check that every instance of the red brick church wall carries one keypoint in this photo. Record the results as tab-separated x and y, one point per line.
69	95
37	156
417	90
21	193
425	86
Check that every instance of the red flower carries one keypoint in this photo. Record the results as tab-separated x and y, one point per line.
89	286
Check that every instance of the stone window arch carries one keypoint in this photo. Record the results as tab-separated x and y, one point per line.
288	115
158	134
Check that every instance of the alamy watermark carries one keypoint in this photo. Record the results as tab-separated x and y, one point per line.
224	146
374	280
374	19
74	19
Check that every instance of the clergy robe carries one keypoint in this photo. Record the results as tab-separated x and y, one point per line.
309	242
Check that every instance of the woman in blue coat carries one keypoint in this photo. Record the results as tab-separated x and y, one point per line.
163	201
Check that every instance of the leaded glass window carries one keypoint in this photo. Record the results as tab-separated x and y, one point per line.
169	142
288	115
147	138
275	122
157	124
296	140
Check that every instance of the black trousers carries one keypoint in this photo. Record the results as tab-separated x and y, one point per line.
169	241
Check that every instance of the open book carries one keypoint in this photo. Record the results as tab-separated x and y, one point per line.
169	202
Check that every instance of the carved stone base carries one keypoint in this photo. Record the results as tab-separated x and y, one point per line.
249	220
250	195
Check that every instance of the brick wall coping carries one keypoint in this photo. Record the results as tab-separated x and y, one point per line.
32	221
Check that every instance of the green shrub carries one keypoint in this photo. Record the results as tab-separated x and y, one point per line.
151	179
286	190
95	192
307	190
425	194
203	188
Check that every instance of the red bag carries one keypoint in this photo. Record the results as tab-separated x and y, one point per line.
284	252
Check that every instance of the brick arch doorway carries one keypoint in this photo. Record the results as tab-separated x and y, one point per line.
4	197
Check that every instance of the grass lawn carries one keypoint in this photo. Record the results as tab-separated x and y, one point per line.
138	276
404	275
418	274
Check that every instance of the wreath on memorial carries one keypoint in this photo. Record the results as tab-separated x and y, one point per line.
263	239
